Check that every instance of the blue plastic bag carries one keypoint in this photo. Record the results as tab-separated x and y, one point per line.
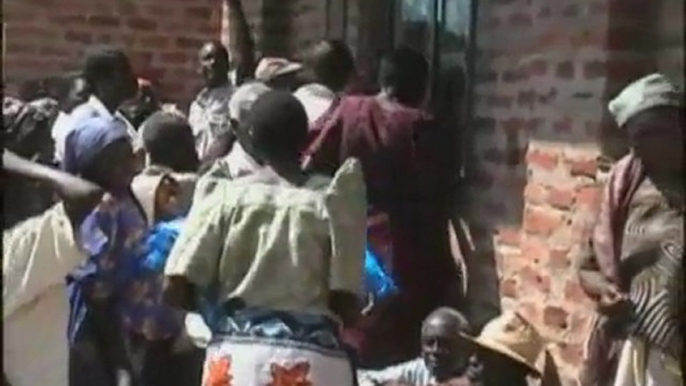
160	242
377	281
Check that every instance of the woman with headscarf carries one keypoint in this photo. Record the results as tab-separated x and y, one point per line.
99	150
633	268
282	253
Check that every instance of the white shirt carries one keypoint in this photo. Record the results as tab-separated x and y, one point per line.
413	373
209	117
316	98
95	108
37	255
60	128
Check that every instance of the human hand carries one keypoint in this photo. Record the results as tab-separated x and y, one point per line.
613	303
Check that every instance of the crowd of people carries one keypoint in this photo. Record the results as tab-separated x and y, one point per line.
230	246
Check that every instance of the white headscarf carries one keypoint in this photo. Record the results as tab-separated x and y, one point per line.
652	91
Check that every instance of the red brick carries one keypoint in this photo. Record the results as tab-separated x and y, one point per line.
555	317
589	197
579	323
571	10
520	19
78	37
201	13
189	43
538	67
509	237
584	167
486	76
533	124
594	69
174	57
534	251
154	42
514	124
565	70
491	23
484	124
570	354
559	259
541	222
574	293
563	125
531	279
513	76
561	198
547	98
544	12
508	288
104	21
543	159
535	193
526	98
142	24
502	101
71	20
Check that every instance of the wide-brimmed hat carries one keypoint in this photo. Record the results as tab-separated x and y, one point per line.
510	334
270	68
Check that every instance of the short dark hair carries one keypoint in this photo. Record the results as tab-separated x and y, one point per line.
222	52
102	63
168	140
405	71
279	125
331	62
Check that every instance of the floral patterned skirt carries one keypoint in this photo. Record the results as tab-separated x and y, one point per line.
258	347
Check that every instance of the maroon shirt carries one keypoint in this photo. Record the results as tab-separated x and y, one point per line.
406	159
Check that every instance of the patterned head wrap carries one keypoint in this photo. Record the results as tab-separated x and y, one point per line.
87	140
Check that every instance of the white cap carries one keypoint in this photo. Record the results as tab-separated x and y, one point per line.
646	93
270	68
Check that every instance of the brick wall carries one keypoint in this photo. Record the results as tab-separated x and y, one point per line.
162	37
546	71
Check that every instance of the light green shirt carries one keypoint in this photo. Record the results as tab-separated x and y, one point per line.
274	245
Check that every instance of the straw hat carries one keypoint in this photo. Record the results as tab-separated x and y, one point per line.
513	336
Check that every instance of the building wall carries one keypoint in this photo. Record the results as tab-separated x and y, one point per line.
546	71
48	37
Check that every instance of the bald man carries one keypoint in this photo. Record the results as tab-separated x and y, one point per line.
445	356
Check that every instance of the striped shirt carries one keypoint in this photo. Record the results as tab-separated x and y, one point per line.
652	256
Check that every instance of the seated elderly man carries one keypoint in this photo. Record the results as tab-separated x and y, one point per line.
445	356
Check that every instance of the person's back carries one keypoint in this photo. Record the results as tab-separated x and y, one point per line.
280	234
407	170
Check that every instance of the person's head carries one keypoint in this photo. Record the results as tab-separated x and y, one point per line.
158	196
214	64
276	128
242	100
403	76
109	75
168	141
651	110
73	91
27	128
508	348
142	106
444	348
332	64
279	73
98	149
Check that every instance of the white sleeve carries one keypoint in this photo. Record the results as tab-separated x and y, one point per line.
412	373
38	254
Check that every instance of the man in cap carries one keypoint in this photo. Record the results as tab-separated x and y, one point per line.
633	266
239	161
445	356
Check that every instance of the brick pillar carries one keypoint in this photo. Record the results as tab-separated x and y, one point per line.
546	70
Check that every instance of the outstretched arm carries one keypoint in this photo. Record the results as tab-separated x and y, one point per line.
80	196
241	44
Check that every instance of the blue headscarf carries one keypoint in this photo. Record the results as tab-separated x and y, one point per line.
89	137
